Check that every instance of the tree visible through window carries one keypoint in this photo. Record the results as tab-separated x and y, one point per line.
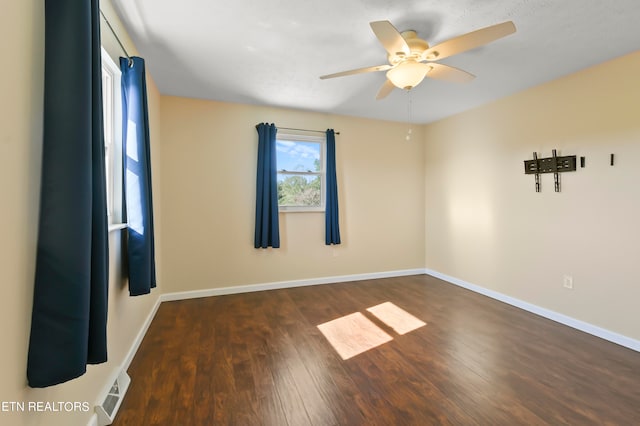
300	162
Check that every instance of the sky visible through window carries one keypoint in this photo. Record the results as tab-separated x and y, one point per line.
298	156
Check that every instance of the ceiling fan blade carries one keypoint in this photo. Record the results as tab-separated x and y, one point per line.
469	41
384	91
357	71
448	73
390	38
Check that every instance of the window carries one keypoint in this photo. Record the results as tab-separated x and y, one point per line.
301	172
112	113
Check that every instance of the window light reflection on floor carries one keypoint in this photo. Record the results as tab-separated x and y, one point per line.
400	320
354	334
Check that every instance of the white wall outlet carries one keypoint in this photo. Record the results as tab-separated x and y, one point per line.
568	282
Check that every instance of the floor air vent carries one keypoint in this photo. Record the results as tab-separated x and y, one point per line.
108	409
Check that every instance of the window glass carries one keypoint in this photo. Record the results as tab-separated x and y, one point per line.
300	163
112	113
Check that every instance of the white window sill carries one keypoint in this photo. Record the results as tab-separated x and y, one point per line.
301	210
117	226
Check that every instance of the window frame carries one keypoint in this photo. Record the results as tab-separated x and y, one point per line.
112	124
322	142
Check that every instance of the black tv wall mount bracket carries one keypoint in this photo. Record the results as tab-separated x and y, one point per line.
554	164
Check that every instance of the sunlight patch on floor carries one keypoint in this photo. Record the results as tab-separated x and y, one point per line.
353	334
398	319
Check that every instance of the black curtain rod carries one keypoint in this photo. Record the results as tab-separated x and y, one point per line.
306	130
117	38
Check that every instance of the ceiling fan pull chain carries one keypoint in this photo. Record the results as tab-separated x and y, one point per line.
409	115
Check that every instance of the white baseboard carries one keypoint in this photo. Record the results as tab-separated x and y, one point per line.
546	313
93	421
183	295
138	340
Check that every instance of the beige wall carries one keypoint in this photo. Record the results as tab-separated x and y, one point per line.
22	38
209	160
486	225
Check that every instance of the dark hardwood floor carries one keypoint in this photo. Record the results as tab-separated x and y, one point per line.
259	359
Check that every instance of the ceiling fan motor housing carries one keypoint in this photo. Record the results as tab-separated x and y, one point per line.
416	45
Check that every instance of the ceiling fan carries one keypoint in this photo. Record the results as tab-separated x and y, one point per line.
411	59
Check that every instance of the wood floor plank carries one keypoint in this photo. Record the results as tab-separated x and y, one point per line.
260	359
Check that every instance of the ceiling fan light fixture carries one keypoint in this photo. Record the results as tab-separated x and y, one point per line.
407	75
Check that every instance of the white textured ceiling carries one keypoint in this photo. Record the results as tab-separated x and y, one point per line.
271	52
